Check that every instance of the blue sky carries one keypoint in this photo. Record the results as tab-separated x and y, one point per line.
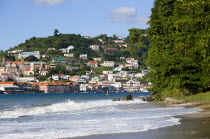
23	19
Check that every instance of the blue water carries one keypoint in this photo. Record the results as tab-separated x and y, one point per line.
81	114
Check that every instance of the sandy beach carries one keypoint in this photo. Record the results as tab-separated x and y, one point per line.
193	126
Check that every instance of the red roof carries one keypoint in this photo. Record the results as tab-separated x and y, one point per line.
16	62
7	82
92	62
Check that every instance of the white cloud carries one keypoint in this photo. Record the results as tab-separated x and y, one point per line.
48	2
123	14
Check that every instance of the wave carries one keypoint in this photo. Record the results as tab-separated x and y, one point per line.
68	105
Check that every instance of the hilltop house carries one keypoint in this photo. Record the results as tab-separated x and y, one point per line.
68	49
119	41
26	54
95	47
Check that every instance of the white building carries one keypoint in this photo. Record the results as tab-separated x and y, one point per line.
69	55
108	72
108	64
83	56
95	47
26	54
68	49
97	59
112	77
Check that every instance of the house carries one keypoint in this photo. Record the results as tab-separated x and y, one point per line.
69	55
26	54
108	72
122	58
54	87
26	79
144	72
74	78
86	37
58	77
123	45
132	86
59	60
51	49
94	88
110	50
112	77
128	60
83	56
95	47
9	87
93	64
14	51
4	76
83	87
132	66
97	59
139	75
29	71
68	49
108	64
72	68
119	41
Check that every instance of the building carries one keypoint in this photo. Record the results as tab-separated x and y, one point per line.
9	87
93	64
119	41
108	64
26	54
68	49
74	78
97	59
69	55
59	60
83	56
95	47
14	51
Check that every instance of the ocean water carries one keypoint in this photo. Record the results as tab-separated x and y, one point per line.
52	116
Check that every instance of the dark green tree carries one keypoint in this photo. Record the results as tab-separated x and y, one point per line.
31	58
56	32
180	53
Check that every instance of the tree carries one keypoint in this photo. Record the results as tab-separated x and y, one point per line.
31	58
56	32
180	53
139	44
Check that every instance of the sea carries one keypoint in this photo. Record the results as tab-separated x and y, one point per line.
66	115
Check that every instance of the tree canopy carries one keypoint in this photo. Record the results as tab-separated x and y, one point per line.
180	54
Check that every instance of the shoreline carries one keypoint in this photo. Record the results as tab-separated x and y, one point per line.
192	126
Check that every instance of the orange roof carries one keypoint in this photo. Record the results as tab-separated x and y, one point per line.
7	82
28	69
92	62
74	77
3	72
94	85
16	62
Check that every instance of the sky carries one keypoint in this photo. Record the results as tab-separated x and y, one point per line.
23	19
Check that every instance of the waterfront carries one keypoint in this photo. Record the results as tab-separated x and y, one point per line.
81	114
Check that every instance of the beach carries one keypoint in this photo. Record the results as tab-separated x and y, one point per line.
193	126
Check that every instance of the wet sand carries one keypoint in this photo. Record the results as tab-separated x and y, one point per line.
193	126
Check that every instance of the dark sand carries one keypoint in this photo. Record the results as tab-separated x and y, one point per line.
193	126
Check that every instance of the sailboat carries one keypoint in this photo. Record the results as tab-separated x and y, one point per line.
107	93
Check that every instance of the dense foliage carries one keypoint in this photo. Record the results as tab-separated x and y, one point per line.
139	44
180	54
